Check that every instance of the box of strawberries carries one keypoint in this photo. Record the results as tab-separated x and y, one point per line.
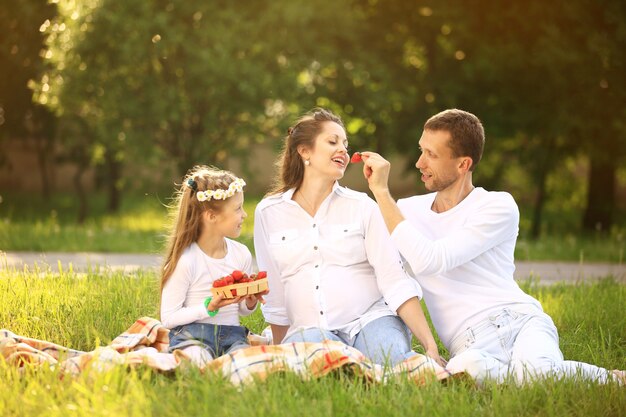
240	284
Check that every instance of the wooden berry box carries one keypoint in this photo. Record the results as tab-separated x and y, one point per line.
241	290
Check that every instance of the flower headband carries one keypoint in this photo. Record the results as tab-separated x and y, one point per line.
219	194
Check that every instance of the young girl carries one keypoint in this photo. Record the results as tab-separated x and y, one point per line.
209	214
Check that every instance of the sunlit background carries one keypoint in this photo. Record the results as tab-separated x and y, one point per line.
105	104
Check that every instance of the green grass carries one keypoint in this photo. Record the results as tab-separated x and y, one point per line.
574	248
85	311
30	223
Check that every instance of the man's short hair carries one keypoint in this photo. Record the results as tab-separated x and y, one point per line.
467	136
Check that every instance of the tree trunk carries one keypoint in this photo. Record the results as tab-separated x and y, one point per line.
114	168
83	203
600	195
543	165
44	151
540	201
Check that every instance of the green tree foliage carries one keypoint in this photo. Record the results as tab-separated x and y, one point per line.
560	79
594	35
511	61
186	81
157	80
548	79
20	44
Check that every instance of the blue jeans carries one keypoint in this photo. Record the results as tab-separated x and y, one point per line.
385	341
216	339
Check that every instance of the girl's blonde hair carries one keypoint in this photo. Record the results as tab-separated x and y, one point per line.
187	211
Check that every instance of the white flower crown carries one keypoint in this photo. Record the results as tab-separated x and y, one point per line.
219	194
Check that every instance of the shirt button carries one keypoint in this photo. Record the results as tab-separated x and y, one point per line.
314	225
322	313
317	287
314	247
317	266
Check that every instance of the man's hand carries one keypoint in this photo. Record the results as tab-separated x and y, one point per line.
376	171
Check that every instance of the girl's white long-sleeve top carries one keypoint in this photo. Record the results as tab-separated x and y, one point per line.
182	300
337	270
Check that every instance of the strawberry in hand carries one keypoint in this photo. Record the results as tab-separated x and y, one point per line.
356	157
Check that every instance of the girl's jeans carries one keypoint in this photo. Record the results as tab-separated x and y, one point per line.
216	339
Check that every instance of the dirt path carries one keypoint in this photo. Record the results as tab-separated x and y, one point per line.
547	272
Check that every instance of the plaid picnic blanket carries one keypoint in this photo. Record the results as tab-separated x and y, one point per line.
146	343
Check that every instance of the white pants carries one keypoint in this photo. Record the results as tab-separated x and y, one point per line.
517	346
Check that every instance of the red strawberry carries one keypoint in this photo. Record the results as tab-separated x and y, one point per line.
252	277
233	292
356	157
237	275
229	280
219	283
261	275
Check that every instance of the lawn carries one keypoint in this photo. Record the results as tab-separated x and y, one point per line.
30	223
85	311
141	226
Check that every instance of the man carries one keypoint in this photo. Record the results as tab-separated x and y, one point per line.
459	241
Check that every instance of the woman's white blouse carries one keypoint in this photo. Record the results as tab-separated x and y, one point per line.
337	271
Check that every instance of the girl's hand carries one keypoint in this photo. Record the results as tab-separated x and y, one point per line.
251	300
219	301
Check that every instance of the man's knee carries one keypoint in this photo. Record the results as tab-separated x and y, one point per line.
533	366
535	359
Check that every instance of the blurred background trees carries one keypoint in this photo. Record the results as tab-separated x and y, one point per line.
21	43
128	85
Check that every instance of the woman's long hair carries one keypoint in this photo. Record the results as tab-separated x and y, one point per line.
289	165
